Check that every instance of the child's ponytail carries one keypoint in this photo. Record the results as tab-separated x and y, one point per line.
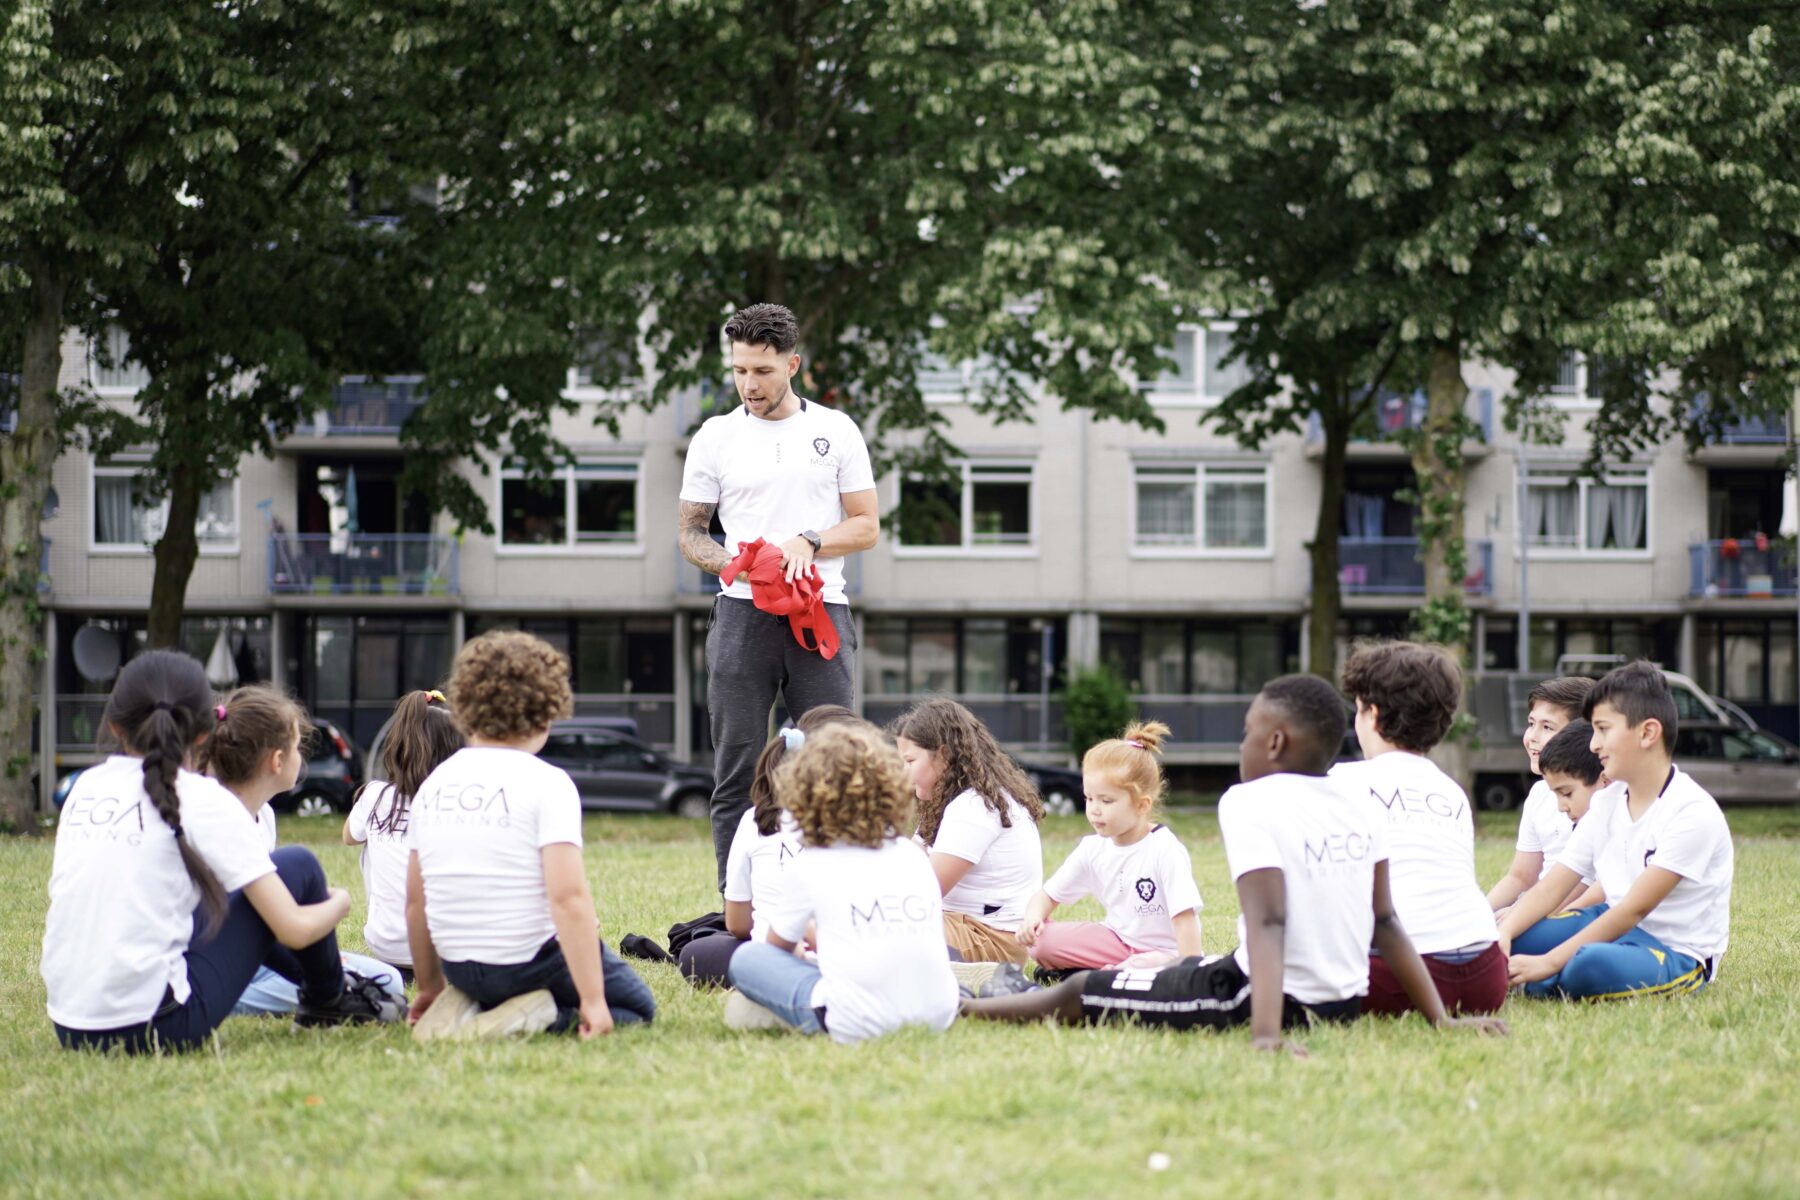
1131	759
423	734
161	706
763	800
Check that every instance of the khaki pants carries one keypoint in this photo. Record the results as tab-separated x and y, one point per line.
978	942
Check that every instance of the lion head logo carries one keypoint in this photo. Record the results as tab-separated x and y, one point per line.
1146	890
821	446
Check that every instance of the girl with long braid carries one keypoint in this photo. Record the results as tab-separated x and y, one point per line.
164	899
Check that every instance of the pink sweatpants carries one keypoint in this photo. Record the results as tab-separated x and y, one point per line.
1087	944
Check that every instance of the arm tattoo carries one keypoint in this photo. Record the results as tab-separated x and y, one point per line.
697	545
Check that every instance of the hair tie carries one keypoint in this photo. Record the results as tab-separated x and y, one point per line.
794	738
164	705
176	830
1134	742
435	696
219	711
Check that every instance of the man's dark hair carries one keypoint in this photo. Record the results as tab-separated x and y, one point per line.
1315	713
1639	692
1568	754
1415	689
1567	692
768	325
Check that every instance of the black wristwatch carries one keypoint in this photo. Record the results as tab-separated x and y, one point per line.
818	543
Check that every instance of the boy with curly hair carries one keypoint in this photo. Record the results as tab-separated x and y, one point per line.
867	891
1406	696
499	917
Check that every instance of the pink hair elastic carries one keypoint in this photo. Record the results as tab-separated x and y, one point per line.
1134	742
219	711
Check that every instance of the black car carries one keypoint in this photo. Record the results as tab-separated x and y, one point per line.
613	770
333	773
1060	788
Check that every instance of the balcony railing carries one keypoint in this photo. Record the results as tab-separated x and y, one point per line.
362	407
1213	720
1397	412
1391	567
380	564
1013	720
1736	567
1766	429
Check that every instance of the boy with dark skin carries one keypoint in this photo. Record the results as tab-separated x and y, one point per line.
1291	735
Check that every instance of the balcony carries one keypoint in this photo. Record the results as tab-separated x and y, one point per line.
1198	722
1400	412
1739	569
1759	439
374	564
365	407
1384	566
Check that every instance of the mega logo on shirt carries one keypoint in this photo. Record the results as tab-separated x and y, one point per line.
890	915
471	804
1336	853
1407	804
104	817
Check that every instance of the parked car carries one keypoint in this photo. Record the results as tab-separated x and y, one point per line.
1059	787
1743	766
333	773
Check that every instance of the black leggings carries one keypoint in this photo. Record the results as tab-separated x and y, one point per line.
704	959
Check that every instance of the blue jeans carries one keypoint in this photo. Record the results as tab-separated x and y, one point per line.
221	966
272	995
490	985
1634	964
779	982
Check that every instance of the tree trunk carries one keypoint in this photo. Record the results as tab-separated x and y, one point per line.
176	552
26	457
1437	461
1327	591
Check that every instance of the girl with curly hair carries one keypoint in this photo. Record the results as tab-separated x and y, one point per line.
867	891
978	816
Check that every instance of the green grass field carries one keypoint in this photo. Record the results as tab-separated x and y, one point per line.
1691	1097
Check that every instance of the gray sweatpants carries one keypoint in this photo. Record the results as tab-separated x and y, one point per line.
751	656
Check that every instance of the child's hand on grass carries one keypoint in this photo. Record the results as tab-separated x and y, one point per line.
420	1002
1029	931
596	1019
1529	968
1276	1045
1488	1025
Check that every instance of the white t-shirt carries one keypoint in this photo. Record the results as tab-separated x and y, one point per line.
1683	832
1009	860
1543	827
1325	840
384	858
773	479
121	904
880	926
756	868
1431	847
265	820
1144	886
479	826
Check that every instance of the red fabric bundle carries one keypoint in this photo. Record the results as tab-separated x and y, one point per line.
802	601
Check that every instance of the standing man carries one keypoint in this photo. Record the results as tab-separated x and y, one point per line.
798	476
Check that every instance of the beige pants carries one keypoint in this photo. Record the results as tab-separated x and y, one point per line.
979	942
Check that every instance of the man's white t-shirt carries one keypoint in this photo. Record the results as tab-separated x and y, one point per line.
121	903
774	479
756	868
479	826
1683	831
1009	859
1143	886
1431	848
1543	826
879	921
384	857
1325	840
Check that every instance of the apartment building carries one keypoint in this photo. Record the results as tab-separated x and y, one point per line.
1177	557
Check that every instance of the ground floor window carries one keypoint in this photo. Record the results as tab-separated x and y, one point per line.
1181	656
986	656
352	669
1750	661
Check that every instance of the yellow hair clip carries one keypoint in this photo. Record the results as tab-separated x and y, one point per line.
436	695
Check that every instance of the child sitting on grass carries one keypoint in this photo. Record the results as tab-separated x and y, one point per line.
257	750
869	892
1137	867
978	816
421	736
1312	879
1661	853
767	840
501	923
1543	827
1406	696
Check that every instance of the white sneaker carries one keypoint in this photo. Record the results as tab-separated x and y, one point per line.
741	1012
447	1014
530	1013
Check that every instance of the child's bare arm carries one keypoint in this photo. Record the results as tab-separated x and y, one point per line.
738	918
1527	865
428	972
1649	891
1536	904
295	925
577	932
1037	911
1262	895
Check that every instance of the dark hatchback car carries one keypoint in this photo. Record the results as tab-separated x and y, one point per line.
333	773
612	769
1060	788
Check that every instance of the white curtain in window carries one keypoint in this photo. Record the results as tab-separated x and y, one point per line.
117	520
1615	517
217	520
1551	514
1362	515
1166	512
1234	514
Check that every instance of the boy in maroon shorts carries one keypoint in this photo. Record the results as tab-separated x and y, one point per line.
1406	695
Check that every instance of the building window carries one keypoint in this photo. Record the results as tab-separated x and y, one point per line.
1177	657
111	366
588	506
1202	374
973	656
944	382
1202	508
983	507
607	655
605	364
125	518
1570	512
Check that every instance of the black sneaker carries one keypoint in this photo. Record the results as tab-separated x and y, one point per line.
362	1002
1007	981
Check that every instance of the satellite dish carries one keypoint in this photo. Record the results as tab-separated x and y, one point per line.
96	653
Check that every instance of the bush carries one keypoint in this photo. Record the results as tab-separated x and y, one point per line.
1096	705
